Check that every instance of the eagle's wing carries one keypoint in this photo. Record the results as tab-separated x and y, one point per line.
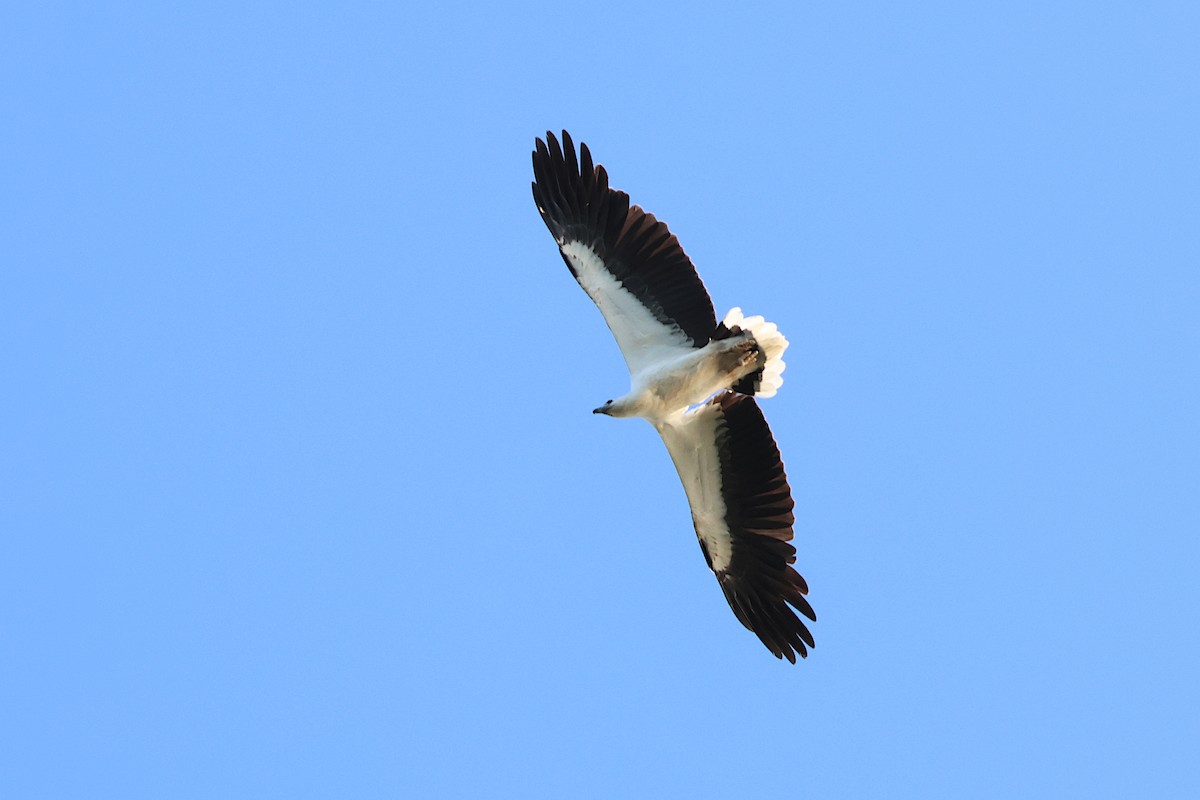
742	508
627	261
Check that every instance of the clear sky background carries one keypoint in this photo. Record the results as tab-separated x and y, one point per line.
302	495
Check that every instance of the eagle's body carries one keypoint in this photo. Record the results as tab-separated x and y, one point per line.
694	380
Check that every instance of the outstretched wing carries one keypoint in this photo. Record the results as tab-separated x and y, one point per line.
627	261
742	508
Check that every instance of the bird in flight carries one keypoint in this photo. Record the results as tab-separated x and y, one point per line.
694	379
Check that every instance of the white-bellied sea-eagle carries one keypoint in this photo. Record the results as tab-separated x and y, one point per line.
694	379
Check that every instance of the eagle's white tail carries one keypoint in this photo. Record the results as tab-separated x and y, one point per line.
765	382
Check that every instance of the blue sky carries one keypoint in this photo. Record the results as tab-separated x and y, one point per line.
304	498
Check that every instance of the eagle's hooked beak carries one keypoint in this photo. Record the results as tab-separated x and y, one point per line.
605	409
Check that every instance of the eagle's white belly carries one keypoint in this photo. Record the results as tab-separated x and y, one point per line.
668	389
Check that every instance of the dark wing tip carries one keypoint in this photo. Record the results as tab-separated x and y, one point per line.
765	608
566	191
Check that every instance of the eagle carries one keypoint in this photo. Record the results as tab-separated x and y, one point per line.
696	380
